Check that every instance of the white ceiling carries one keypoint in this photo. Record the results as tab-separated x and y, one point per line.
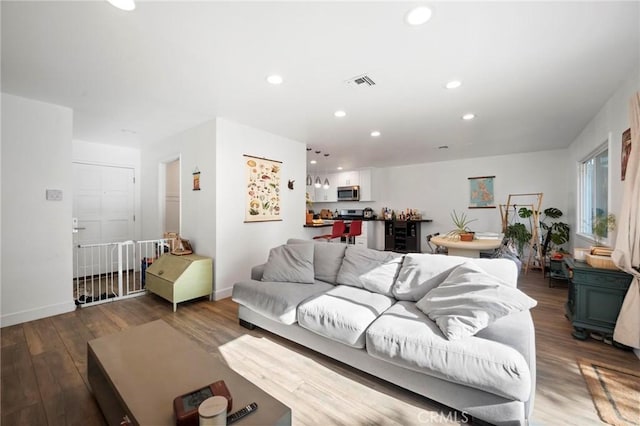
534	73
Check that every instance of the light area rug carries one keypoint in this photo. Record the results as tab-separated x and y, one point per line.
615	392
328	394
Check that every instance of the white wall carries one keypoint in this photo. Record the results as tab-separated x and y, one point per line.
611	121
111	155
36	233
241	245
195	148
435	189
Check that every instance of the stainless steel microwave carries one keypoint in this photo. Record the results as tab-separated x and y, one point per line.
349	193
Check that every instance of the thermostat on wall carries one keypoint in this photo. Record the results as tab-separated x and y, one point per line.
54	194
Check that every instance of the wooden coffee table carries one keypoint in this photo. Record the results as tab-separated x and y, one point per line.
138	372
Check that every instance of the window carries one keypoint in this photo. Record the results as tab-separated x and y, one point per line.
594	189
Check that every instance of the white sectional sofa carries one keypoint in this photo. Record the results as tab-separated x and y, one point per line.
366	308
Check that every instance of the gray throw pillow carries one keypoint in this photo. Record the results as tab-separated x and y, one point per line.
327	258
469	300
371	269
291	263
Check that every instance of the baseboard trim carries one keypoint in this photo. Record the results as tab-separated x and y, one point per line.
222	294
36	313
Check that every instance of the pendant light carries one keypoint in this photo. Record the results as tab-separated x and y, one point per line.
318	182
326	179
309	178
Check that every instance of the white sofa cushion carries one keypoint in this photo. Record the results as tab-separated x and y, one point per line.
290	263
343	313
371	269
327	258
404	336
469	299
422	272
276	300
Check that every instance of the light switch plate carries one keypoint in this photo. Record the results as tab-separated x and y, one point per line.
54	195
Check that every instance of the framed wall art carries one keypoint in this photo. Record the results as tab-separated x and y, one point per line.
262	189
481	195
196	179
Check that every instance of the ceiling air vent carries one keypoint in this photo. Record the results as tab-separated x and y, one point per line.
361	80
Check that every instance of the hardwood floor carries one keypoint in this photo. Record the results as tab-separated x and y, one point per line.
44	378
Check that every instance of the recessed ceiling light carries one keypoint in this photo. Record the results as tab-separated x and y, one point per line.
443	147
468	116
375	133
339	113
274	79
418	15
127	5
453	84
339	167
313	161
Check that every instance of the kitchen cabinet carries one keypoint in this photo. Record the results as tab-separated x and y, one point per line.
327	195
348	178
366	239
366	185
595	298
363	178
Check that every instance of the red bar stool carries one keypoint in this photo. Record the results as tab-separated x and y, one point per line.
355	229
337	231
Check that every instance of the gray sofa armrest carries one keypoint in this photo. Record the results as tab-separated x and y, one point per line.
257	271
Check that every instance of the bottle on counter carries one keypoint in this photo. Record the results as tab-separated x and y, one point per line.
335	214
393	215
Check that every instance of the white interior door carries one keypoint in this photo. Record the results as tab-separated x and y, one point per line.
103	203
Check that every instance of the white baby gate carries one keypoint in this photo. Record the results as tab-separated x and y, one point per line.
113	271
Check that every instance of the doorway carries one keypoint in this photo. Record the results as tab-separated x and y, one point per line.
103	211
172	197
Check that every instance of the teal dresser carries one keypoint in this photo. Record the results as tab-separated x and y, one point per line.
595	297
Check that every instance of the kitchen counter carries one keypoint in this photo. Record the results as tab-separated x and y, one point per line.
318	225
329	222
415	220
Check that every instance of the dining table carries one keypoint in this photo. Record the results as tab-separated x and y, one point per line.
472	248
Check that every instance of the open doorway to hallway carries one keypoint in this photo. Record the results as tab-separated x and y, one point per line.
172	197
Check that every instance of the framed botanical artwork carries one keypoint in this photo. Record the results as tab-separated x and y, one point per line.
196	180
626	152
262	189
481	192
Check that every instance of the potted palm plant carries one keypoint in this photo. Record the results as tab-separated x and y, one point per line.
462	231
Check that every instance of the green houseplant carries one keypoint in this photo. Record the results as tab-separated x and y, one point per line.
601	225
520	235
461	223
557	233
554	233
